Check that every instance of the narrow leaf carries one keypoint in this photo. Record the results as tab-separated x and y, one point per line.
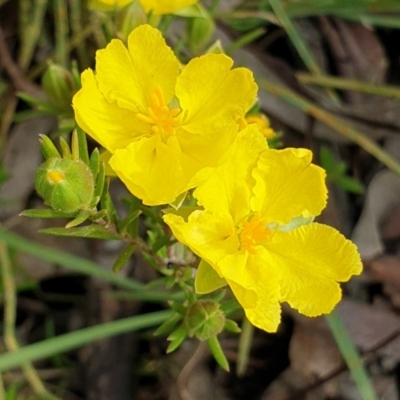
123	257
45	213
48	148
82	145
65	150
168	325
80	218
218	353
89	232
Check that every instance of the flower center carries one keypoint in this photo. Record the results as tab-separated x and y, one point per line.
252	232
55	176
161	118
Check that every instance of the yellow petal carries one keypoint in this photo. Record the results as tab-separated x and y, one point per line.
311	260
105	156
207	235
203	151
151	170
130	77
255	285
212	94
107	4
288	185
207	279
158	7
110	125
228	190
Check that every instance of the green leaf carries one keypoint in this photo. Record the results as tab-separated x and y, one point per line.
81	337
218	353
327	158
82	216
176	337
350	184
231	326
94	162
65	150
48	148
159	244
100	181
106	201
191	12
168	324
82	145
45	213
89	232
123	257
125	224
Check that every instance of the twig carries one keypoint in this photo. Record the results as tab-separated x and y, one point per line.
245	341
10	339
15	73
335	123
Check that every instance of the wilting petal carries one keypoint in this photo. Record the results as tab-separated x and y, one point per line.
288	185
212	94
311	260
110	125
130	77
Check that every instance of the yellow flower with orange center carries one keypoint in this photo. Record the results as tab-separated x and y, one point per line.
256	233
161	122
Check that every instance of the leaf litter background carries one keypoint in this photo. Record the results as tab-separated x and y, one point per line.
296	45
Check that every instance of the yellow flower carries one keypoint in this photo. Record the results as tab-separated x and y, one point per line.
256	234
262	123
157	7
162	123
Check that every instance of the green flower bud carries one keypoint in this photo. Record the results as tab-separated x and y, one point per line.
57	82
65	185
204	319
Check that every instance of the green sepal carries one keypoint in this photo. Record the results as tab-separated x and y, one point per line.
82	145
177	307
207	279
192	11
168	324
100	181
204	319
176	338
46	213
231	326
106	201
218	353
65	150
82	216
176	204
228	307
125	224
94	162
159	244
44	106
123	257
88	232
183	212
49	150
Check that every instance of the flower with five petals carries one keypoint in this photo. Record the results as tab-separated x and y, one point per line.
162	123
252	233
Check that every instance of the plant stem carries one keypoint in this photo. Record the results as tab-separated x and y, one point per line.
10	339
335	123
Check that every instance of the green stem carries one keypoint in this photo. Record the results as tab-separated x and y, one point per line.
10	339
349	84
61	23
335	123
80	338
245	341
351	356
298	43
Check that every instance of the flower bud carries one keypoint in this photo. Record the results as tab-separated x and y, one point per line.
65	185
57	82
204	319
